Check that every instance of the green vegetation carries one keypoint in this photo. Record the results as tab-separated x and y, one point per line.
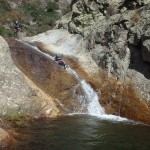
34	16
52	6
38	18
13	117
5	32
4	7
36	12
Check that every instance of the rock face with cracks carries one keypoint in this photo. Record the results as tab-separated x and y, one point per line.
117	37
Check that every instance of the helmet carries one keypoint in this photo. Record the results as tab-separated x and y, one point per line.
16	21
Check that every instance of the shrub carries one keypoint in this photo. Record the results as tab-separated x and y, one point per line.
15	15
39	14
52	6
5	32
4	7
41	17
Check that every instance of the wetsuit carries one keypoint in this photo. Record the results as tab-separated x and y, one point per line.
59	61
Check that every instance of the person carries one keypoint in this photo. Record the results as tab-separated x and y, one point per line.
56	58
16	28
59	61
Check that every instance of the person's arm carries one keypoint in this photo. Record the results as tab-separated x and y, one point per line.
13	26
54	60
20	27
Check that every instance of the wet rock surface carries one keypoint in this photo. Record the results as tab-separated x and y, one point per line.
51	78
16	96
117	37
63	88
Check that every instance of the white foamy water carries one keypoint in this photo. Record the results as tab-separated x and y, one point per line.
94	107
91	99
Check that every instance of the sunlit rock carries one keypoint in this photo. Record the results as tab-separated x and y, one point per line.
16	96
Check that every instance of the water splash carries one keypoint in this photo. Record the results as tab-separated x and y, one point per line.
92	101
90	96
94	107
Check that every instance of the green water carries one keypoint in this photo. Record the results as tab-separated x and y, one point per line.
82	133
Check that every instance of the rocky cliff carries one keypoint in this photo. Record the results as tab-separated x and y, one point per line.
113	37
116	97
106	43
117	37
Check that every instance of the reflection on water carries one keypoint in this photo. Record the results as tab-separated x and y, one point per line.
82	133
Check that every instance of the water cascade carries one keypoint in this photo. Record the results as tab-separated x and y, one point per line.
89	100
91	97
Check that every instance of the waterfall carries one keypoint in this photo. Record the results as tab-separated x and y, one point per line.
93	106
90	99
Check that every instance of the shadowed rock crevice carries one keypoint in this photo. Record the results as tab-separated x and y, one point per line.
132	4
137	63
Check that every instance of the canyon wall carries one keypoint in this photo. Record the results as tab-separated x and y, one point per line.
106	43
110	42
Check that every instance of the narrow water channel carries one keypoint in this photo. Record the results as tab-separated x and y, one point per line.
81	132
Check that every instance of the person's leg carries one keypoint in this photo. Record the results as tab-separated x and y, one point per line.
15	33
63	64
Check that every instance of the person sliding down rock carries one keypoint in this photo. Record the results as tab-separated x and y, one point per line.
59	61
